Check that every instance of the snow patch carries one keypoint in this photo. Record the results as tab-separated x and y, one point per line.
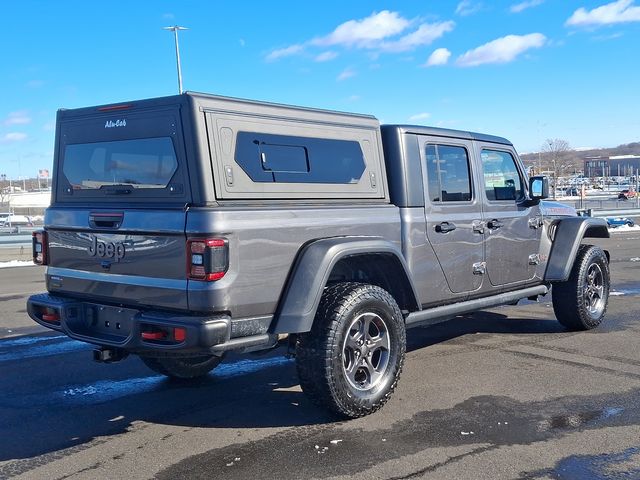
17	263
624	229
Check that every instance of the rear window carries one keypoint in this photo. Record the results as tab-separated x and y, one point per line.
146	163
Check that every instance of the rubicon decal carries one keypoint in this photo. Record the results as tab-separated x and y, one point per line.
117	123
111	250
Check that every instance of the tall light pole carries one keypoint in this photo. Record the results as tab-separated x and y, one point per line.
175	29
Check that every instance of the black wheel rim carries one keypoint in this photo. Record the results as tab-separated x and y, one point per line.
594	291
366	351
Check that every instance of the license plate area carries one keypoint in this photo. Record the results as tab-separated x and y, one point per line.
102	322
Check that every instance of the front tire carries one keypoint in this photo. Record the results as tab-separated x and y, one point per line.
351	360
580	303
183	368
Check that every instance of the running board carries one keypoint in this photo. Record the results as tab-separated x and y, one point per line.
438	314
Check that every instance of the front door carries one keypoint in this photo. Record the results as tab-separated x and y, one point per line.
512	230
453	212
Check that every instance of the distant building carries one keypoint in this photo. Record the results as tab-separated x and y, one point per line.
615	166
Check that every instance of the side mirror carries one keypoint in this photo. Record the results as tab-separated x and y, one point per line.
538	188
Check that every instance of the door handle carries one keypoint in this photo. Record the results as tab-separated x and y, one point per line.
477	226
494	224
445	227
105	220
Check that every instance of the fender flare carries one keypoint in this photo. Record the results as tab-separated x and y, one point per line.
301	295
568	236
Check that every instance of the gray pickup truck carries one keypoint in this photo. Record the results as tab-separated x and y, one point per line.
184	227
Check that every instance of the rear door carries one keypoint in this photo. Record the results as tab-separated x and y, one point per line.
513	230
116	227
453	211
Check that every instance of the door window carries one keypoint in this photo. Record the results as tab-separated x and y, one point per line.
448	174
501	178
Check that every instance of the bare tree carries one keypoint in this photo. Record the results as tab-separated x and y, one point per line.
558	158
4	190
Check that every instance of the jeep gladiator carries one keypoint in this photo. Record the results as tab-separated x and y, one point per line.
184	227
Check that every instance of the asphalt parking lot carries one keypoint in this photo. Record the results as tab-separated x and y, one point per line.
506	393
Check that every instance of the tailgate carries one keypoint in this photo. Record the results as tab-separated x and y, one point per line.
116	227
132	257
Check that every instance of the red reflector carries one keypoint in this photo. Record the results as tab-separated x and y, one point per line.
153	335
179	334
215	242
212	277
50	317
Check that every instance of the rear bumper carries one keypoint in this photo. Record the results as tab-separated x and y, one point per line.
145	331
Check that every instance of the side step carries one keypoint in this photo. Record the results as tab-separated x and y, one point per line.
440	314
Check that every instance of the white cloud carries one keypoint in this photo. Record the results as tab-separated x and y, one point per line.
519	7
424	35
242	42
613	36
284	52
419	116
440	56
501	50
467	7
354	98
17	118
13	137
383	31
326	56
346	73
364	33
621	11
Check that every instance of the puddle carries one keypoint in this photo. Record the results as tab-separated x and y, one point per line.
487	420
624	291
577	420
621	465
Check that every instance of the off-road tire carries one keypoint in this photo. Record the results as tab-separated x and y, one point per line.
580	303
323	353
183	368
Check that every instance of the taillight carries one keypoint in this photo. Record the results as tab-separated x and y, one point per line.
39	247
207	259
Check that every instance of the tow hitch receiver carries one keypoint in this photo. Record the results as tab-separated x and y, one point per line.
109	355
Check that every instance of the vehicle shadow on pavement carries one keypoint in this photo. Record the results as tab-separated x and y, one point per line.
100	401
69	414
462	327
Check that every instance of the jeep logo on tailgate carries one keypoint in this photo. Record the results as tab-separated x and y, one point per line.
114	250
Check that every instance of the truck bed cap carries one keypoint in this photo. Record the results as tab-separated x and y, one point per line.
446	132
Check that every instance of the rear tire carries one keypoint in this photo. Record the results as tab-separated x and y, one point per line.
188	367
580	303
351	360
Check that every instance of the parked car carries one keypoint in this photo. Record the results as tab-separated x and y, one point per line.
615	222
572	191
12	220
626	194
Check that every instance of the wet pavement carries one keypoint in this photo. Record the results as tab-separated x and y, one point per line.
506	393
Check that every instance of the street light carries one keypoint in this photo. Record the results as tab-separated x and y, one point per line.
175	29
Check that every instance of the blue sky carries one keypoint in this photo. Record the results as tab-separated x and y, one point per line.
526	70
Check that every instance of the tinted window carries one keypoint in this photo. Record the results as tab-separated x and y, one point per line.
288	159
448	173
140	163
501	178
